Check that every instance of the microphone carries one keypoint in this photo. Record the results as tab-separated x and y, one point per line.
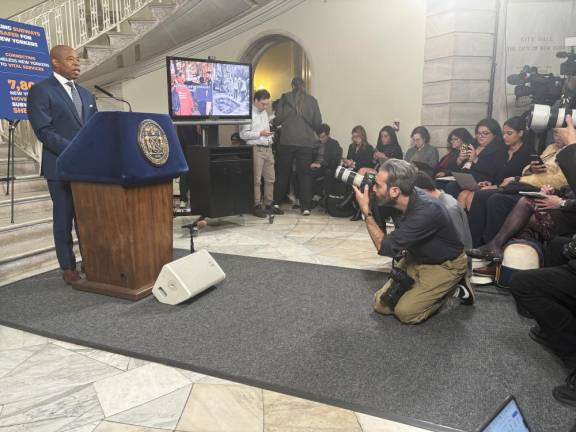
107	93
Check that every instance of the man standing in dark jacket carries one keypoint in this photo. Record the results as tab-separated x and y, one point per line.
299	115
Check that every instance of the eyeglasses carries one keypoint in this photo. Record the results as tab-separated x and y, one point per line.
455	139
485	133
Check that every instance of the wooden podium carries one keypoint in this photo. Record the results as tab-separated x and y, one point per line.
121	167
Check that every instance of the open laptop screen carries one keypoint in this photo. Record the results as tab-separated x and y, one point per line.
509	418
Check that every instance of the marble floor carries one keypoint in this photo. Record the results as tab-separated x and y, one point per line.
52	386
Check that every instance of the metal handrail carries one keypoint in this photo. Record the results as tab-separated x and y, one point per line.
78	22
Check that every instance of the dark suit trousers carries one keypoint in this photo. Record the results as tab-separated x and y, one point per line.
304	157
63	215
549	294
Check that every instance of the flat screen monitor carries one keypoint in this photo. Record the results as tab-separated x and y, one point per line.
209	91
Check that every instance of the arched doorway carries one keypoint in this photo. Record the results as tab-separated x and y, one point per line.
276	59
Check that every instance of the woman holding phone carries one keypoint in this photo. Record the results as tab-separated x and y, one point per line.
489	207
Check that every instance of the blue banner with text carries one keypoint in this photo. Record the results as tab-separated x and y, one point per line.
24	61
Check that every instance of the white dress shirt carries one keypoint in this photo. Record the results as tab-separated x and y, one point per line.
63	81
251	132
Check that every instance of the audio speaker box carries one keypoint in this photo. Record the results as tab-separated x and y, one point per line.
187	277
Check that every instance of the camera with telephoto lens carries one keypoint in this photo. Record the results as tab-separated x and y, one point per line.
401	283
350	178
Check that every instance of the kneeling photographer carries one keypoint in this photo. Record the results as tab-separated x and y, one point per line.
432	264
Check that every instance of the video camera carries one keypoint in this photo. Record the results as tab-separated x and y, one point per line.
541	88
553	97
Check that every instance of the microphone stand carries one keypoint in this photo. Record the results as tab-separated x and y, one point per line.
110	95
10	173
194	231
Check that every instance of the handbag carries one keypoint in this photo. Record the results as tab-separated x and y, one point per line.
514	187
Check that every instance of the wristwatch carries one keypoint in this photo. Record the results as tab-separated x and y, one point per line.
367	215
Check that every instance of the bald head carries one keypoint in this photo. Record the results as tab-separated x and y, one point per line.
65	61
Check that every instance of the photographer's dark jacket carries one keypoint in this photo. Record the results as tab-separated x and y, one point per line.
425	230
330	154
298	130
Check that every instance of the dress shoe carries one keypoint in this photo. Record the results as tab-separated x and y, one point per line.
275	209
485	254
357	216
70	276
489	270
567	393
259	212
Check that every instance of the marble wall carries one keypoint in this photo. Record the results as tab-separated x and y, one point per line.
458	57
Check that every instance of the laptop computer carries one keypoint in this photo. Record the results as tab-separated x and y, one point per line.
466	181
508	418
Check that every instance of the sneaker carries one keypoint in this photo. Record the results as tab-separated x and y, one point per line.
465	292
566	393
306	213
183	204
259	212
275	209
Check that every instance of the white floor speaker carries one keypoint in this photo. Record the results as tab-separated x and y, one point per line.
186	277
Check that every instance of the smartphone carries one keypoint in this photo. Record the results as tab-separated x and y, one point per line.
534	158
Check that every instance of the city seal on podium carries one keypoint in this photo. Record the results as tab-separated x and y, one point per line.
153	142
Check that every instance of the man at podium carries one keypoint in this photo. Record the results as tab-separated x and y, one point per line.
57	109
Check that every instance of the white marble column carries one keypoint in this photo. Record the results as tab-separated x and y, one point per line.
458	60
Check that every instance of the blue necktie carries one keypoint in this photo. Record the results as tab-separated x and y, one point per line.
76	99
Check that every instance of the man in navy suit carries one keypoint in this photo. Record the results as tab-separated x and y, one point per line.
57	109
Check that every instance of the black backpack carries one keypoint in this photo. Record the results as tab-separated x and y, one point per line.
339	193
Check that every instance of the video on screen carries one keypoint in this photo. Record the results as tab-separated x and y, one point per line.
203	89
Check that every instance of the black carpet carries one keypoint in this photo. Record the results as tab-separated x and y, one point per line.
309	330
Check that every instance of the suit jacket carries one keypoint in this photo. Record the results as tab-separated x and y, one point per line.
54	119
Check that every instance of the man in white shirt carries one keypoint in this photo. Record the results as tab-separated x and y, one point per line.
258	135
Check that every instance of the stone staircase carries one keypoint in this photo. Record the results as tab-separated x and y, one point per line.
129	31
27	244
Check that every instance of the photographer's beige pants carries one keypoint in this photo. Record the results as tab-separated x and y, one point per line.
263	168
432	286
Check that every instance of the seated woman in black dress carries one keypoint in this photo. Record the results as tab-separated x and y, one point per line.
360	159
360	152
458	140
484	161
